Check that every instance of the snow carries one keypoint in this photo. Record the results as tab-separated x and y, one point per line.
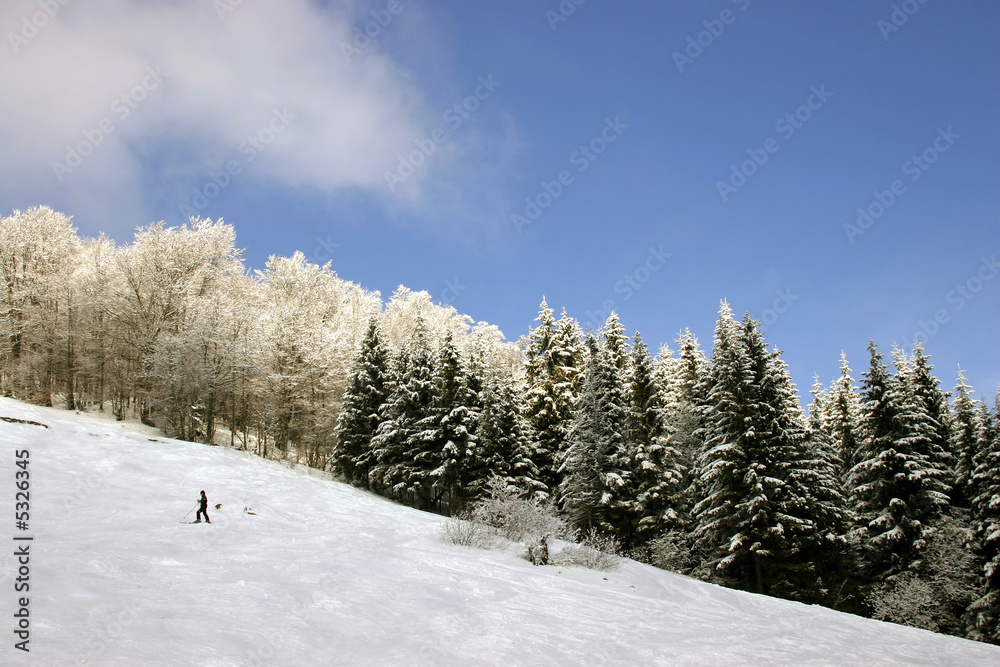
324	574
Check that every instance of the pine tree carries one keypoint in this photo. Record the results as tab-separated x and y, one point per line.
722	466
683	381
843	415
897	485
555	359
359	414
503	442
984	612
772	499
966	441
657	468
927	390
543	409
447	439
402	467
615	343
595	480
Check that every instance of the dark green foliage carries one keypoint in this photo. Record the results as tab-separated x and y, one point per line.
594	491
359	415
898	484
658	473
772	497
403	459
502	442
984	613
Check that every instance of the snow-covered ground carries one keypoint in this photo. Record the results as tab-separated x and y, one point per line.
324	574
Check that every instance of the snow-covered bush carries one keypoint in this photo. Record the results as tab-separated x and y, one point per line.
537	550
465	533
934	594
672	551
515	516
906	600
596	551
503	515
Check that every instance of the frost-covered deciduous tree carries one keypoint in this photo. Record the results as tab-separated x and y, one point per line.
39	305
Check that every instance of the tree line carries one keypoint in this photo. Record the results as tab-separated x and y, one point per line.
883	499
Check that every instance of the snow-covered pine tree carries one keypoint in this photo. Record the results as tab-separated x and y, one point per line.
772	498
359	414
984	612
502	447
447	440
399	437
927	390
792	496
819	406
615	343
569	360
658	471
897	486
682	380
967	434
542	409
843	417
595	479
555	360
721	468
817	475
569	354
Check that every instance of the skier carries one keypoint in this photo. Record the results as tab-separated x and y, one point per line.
203	509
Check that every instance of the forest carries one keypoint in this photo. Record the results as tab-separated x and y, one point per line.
881	499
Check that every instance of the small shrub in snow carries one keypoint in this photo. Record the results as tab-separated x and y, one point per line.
671	551
464	533
537	550
596	551
517	518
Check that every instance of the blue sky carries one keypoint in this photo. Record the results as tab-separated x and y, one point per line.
833	101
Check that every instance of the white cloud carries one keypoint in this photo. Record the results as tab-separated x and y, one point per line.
224	79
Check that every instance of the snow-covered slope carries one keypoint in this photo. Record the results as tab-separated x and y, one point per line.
324	574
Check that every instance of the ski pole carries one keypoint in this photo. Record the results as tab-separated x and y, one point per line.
190	510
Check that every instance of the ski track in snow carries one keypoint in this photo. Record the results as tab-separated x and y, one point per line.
325	574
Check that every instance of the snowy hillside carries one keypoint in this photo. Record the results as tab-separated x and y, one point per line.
324	574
